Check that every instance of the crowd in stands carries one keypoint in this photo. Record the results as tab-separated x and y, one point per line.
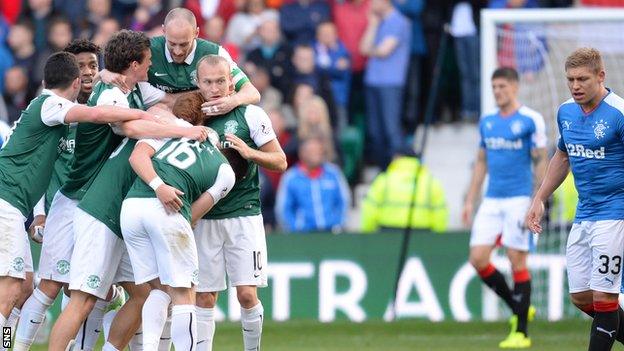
345	78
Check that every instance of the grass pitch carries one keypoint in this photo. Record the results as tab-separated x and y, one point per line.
402	336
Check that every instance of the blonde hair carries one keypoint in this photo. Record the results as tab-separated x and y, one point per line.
322	128
585	57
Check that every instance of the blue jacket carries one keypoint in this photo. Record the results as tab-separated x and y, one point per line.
412	9
340	78
306	203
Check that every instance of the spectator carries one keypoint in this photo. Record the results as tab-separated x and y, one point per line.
73	10
16	95
120	9
313	117
300	18
6	59
97	12
148	17
386	43
351	19
206	9
313	195
214	28
21	43
387	202
464	31
39	13
243	26
300	94
273	55
267	201
5	130
270	98
305	72
10	10
285	138
104	32
412	9
59	36
333	61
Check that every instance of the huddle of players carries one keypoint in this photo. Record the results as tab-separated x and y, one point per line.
182	174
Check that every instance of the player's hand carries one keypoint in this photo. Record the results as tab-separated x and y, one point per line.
116	79
38	221
219	106
534	216
239	145
198	133
170	198
466	215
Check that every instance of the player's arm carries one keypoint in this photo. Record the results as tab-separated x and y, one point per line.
223	184
557	170
540	162
105	114
270	155
367	43
476	183
141	162
158	130
39	218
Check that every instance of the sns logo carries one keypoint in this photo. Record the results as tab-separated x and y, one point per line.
599	128
581	151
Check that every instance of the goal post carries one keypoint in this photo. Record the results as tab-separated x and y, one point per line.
493	18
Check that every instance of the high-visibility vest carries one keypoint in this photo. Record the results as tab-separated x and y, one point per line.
388	200
565	200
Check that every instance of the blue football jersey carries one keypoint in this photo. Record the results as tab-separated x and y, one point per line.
508	141
594	143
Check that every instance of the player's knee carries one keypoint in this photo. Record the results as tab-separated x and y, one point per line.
26	289
206	299
247	298
479	262
582	301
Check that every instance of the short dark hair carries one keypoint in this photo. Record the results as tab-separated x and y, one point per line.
237	162
78	46
508	73
60	70
125	47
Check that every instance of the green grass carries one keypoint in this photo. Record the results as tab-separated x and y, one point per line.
403	335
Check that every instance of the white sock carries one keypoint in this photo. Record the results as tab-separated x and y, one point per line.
33	313
109	347
136	343
205	328
251	320
107	321
184	327
89	332
64	300
165	337
154	317
12	320
3	319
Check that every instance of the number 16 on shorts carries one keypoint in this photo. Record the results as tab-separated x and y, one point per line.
6	337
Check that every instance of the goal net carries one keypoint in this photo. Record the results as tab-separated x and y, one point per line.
536	43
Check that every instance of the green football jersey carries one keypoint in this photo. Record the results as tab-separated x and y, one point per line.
62	164
109	188
27	158
172	77
95	142
189	166
252	125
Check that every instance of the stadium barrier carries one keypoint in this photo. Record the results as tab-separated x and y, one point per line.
349	277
